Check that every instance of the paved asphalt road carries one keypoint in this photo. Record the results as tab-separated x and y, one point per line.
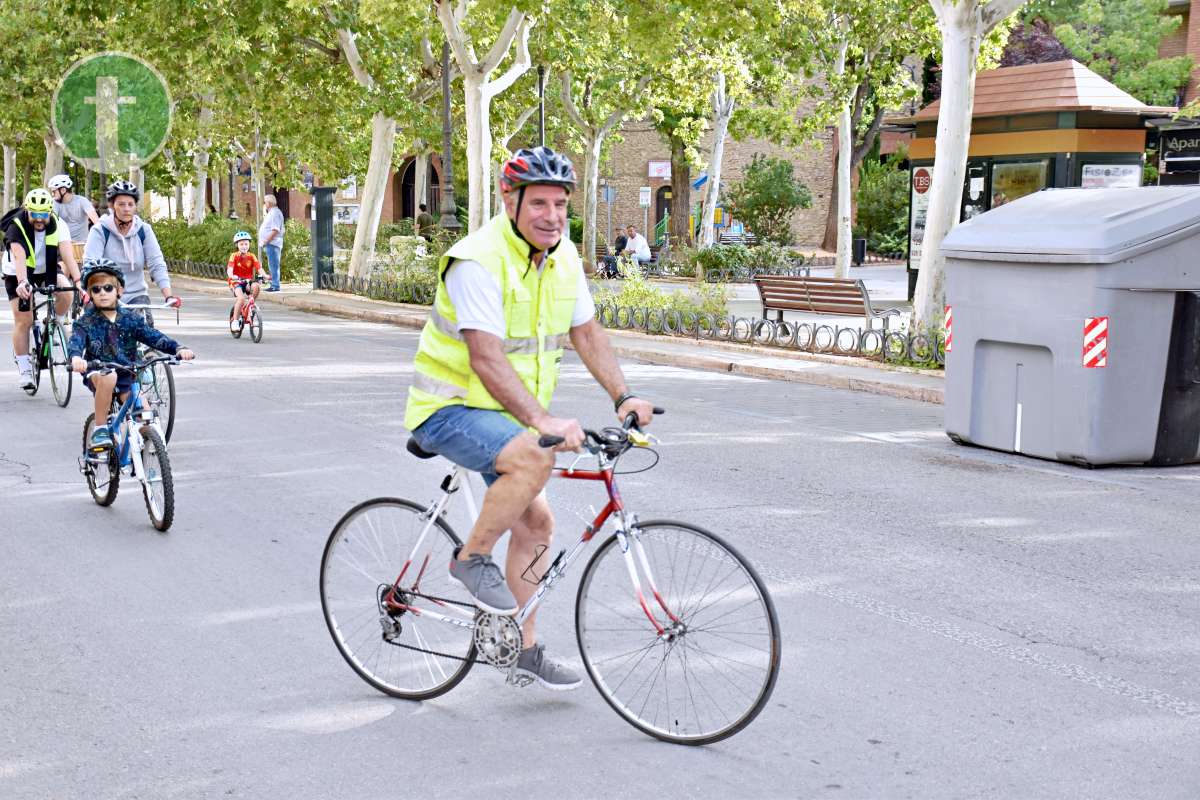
956	623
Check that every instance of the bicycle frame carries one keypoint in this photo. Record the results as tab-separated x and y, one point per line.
628	539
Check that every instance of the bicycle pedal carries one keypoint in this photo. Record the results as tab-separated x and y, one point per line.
519	681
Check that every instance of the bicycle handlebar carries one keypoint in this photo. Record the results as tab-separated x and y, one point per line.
96	366
609	439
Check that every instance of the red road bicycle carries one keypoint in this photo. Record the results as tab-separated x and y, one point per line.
676	630
250	315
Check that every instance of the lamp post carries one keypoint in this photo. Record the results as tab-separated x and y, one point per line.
449	219
541	105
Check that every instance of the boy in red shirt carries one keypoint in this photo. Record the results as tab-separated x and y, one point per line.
241	271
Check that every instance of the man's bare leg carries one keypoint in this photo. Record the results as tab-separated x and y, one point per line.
524	469
534	529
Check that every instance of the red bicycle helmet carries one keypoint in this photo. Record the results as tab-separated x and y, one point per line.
538	165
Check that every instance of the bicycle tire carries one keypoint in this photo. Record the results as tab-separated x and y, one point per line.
161	395
103	492
35	358
153	445
367	620
686	646
256	325
61	384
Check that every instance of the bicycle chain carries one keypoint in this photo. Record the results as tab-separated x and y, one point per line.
435	652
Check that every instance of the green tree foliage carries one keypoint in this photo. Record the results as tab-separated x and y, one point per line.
1119	40
767	198
882	201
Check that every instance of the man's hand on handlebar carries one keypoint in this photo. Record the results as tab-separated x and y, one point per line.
568	429
636	405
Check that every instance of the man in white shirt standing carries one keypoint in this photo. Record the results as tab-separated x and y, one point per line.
636	244
270	238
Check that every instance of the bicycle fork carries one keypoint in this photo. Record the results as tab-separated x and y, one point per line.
630	541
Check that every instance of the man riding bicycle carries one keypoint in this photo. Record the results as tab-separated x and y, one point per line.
508	297
129	242
32	235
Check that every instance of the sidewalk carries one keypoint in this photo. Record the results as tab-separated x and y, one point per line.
757	362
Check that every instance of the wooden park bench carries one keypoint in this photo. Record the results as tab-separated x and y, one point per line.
837	296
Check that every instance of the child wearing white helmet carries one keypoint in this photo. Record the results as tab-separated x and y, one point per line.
242	268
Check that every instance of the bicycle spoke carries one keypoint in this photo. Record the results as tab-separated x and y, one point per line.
712	668
398	651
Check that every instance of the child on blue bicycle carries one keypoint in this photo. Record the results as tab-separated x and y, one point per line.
106	332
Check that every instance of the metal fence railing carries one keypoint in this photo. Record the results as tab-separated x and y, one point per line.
896	347
926	350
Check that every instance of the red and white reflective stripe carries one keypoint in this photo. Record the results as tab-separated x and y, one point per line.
1095	342
949	328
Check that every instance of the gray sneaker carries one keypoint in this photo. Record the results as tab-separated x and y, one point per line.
549	673
484	581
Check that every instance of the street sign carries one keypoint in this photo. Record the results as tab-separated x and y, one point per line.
112	112
609	193
644	197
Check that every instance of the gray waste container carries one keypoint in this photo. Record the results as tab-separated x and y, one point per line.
1075	326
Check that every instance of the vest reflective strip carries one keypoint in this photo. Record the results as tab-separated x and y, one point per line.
437	388
444	326
555	341
527	345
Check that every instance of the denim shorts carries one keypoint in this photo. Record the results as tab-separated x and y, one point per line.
470	437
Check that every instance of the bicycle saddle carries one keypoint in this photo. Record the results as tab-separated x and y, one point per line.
416	450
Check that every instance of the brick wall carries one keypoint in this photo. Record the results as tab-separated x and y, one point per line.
1192	27
1176	43
300	200
628	164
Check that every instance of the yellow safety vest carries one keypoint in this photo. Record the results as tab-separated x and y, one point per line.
538	306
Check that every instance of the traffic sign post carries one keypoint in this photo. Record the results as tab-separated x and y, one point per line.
644	202
112	112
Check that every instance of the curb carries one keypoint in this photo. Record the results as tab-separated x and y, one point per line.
808	370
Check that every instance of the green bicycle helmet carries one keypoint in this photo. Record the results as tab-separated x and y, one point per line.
39	201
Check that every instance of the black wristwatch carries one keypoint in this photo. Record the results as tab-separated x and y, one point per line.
620	401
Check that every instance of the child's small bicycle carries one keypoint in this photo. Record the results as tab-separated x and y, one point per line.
250	315
138	449
677	631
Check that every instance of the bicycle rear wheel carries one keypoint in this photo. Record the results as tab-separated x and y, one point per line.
711	670
158	489
103	476
60	367
386	636
256	325
158	390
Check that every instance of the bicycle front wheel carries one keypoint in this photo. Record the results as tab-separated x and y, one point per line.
158	390
158	488
60	367
256	325
711	669
384	585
